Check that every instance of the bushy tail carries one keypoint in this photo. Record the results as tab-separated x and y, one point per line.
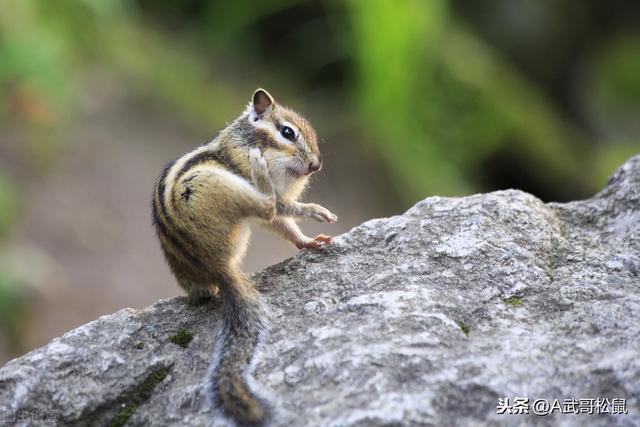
242	324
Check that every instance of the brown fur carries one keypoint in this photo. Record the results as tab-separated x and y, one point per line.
202	206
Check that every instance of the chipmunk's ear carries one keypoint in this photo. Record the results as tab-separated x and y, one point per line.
262	101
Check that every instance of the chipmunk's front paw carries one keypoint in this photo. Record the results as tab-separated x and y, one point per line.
257	160
260	171
320	213
315	243
269	211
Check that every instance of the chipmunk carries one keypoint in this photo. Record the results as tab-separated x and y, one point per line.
253	171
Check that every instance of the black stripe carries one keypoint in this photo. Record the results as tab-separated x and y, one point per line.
255	137
162	186
154	210
166	227
163	231
166	219
262	138
218	156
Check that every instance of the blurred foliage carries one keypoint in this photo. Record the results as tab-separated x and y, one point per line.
37	51
447	111
435	100
441	101
43	46
8	205
619	68
399	86
12	312
452	96
615	97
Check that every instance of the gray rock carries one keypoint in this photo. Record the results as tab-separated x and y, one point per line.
426	318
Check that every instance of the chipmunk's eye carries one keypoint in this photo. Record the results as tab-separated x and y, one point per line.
288	133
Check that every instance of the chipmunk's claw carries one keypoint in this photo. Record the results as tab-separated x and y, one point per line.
315	243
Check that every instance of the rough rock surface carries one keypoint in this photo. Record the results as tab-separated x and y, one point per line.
426	318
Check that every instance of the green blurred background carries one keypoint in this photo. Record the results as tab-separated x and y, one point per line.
410	98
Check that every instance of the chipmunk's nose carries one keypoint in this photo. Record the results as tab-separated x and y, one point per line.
315	165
